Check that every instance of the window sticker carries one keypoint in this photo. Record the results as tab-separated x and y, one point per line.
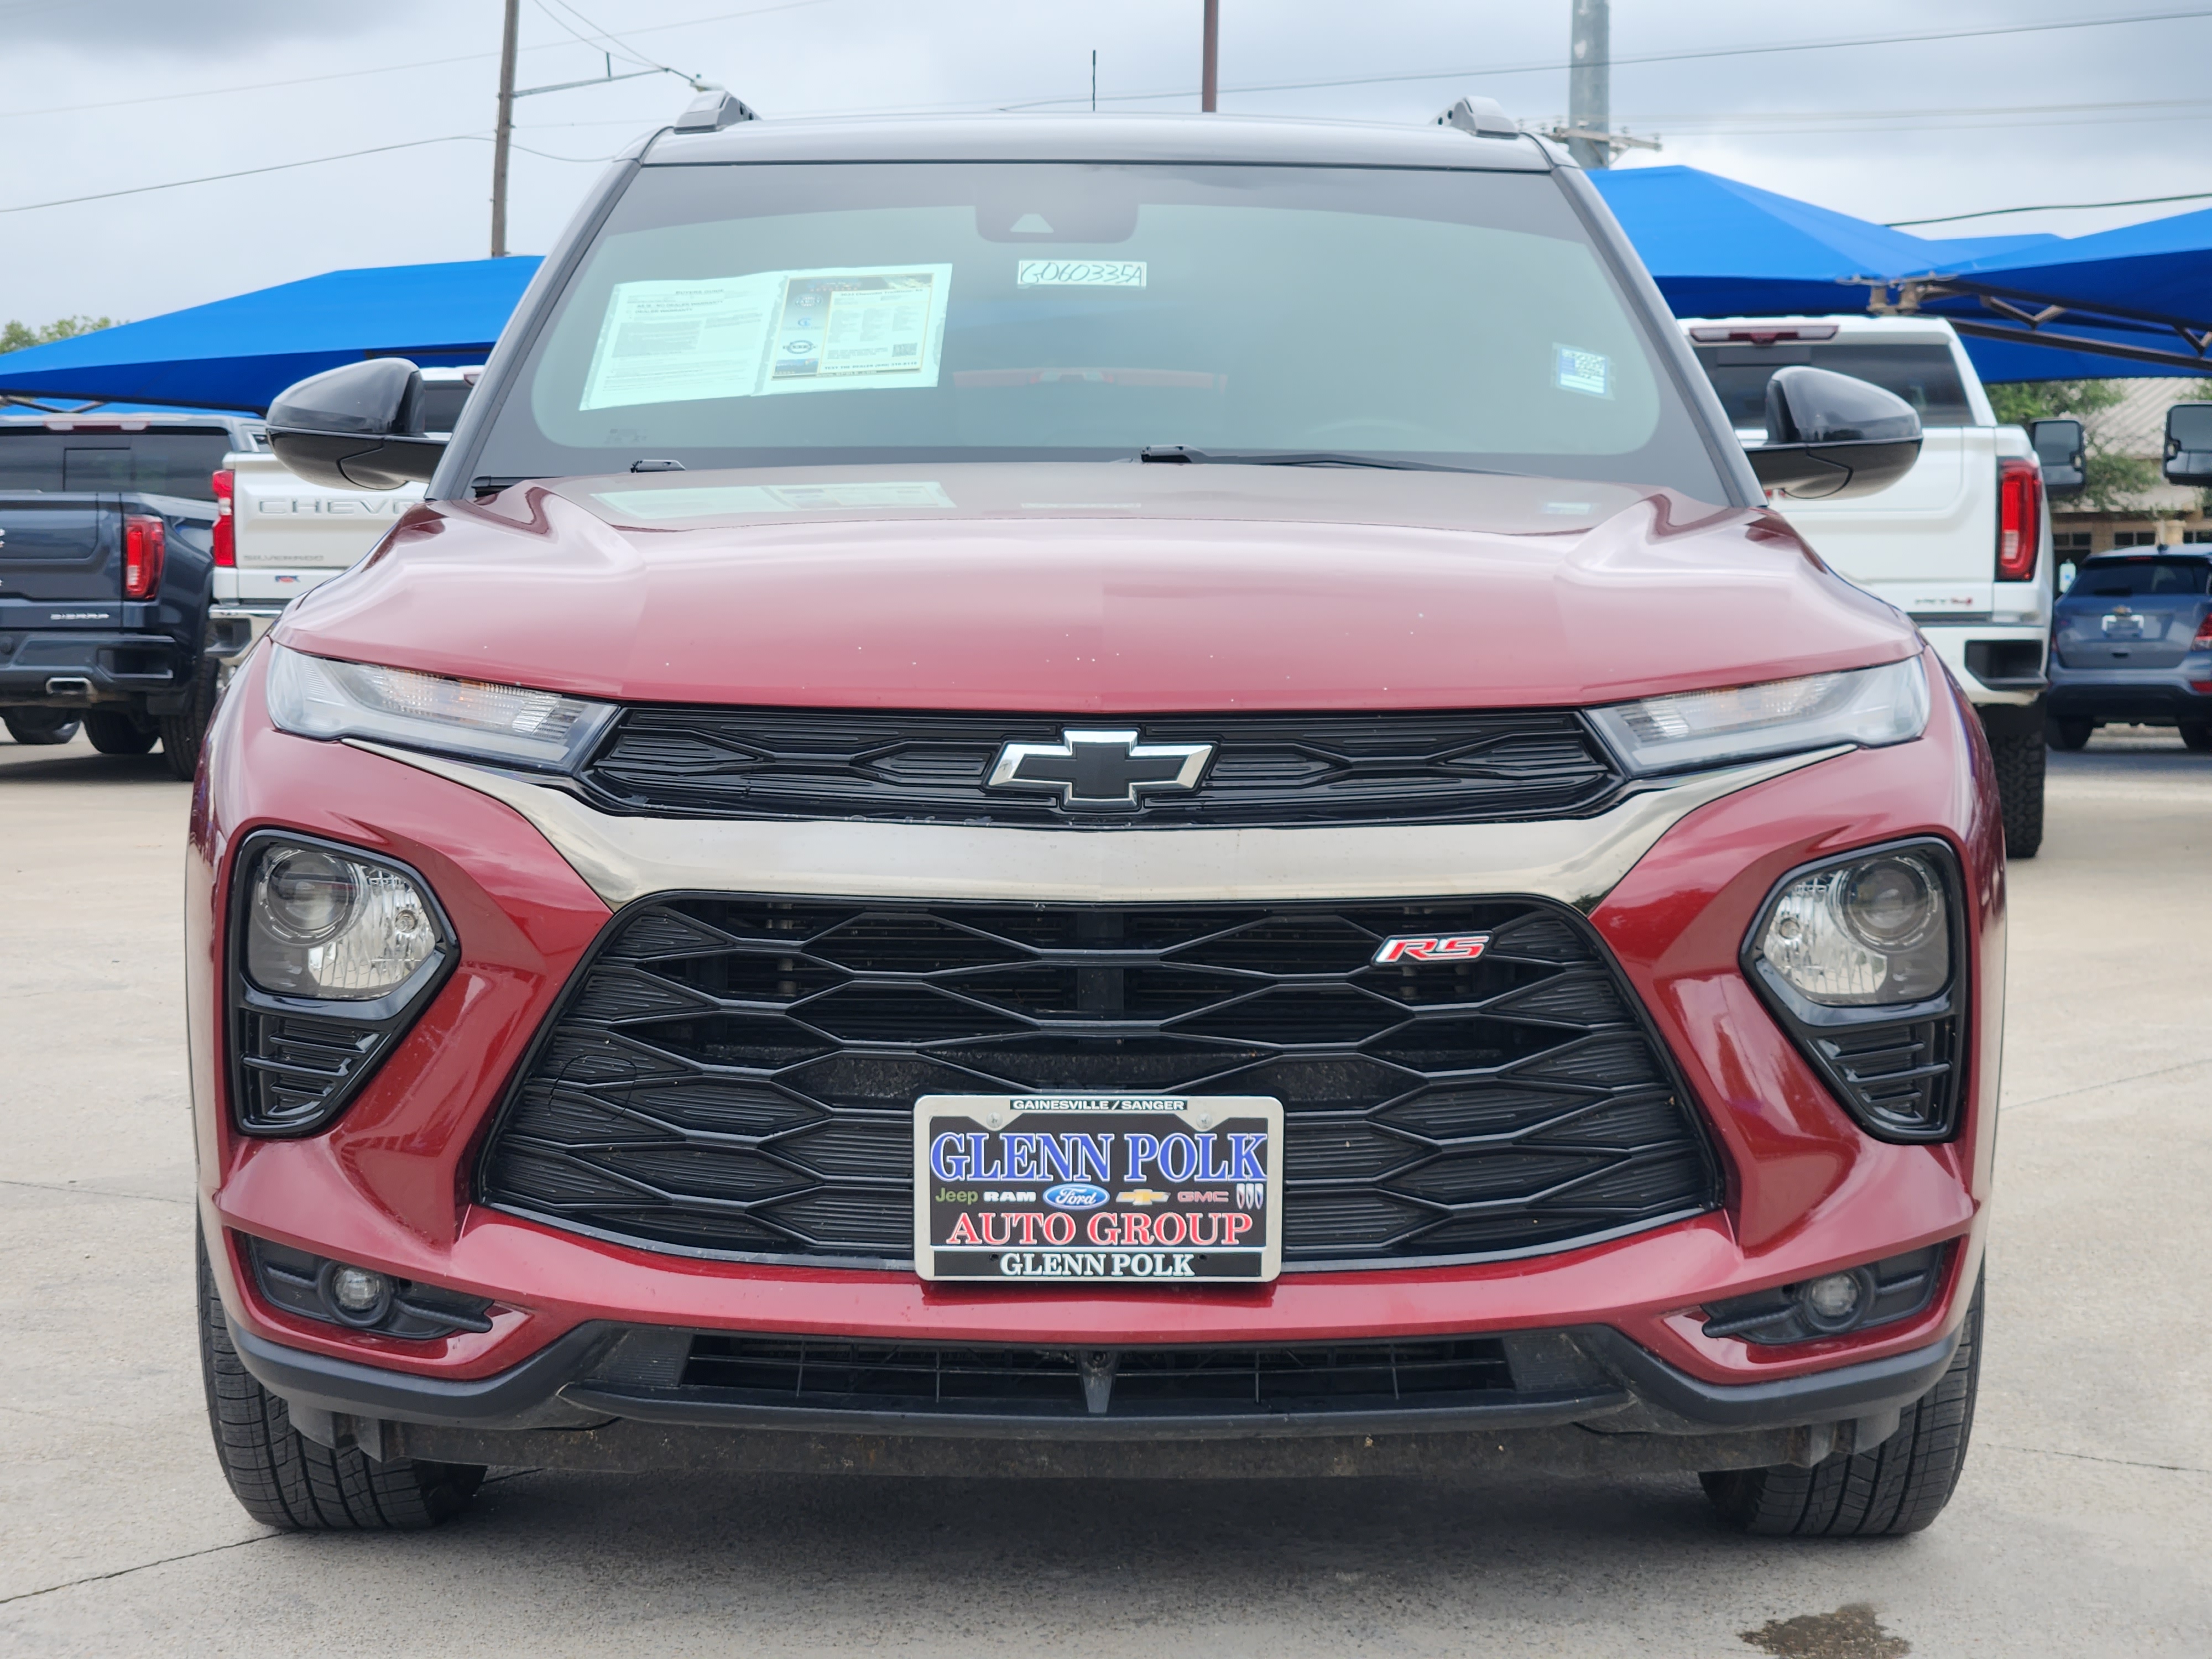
879	327
1590	372
1078	273
681	340
667	341
713	500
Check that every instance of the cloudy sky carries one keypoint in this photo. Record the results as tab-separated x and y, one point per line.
99	96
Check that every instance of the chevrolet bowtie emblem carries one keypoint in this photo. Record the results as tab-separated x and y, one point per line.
1099	769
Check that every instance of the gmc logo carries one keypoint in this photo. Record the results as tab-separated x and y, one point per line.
1451	947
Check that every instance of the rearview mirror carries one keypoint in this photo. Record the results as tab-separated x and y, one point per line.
2058	452
2189	444
1830	435
357	426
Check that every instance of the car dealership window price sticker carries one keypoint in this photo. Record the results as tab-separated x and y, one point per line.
678	341
1124	1188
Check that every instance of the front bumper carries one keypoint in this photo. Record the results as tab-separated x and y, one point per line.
607	1396
1807	1190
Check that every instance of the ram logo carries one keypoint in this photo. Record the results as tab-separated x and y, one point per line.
1449	947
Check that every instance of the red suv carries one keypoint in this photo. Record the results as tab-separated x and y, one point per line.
1094	797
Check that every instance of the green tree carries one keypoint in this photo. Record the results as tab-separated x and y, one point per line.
14	336
2111	479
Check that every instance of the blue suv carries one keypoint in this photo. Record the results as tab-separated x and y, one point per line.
2134	644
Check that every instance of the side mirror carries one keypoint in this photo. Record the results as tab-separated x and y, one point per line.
2058	452
1829	436
2189	444
357	426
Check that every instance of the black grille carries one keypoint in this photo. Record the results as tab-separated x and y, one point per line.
1267	769
890	1376
738	1075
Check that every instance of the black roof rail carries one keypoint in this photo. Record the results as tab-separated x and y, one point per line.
712	110
1486	117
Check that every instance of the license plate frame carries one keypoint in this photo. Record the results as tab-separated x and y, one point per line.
1114	1222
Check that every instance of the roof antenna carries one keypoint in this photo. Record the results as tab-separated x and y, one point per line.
712	110
1485	117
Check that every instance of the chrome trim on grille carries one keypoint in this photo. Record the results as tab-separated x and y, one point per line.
1576	861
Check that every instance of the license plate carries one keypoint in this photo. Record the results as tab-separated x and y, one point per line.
1119	1188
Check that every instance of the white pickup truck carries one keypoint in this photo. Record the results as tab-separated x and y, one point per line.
1961	543
286	535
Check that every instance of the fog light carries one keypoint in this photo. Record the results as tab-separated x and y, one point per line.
1836	1302
354	1296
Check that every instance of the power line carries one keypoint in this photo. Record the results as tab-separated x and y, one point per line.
285	166
2051	207
1554	66
390	69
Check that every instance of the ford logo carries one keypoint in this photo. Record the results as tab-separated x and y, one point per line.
1075	1195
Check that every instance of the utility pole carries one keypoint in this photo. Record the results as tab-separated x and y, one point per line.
506	131
1589	77
1210	74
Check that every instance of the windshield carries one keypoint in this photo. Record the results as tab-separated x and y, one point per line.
1924	375
2140	579
751	315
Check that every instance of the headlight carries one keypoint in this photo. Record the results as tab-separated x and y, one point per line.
324	697
1868	707
1875	932
319	924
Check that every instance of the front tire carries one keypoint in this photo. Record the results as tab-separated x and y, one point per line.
114	732
37	727
1884	1491
283	1478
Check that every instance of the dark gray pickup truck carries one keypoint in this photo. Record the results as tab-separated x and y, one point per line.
109	533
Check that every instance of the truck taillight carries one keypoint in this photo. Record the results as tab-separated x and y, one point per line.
225	527
144	540
2020	518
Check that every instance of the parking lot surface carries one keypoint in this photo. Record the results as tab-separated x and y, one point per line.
2083	1524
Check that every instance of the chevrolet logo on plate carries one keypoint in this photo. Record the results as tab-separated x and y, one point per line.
1098	770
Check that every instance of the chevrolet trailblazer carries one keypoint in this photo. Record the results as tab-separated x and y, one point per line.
1094	796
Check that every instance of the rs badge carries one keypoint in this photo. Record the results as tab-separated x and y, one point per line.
1450	947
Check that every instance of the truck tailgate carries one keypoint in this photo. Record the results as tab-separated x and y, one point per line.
60	554
1925	544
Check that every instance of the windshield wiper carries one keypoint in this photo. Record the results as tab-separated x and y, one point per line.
1177	454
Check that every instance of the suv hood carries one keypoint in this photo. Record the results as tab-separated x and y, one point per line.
1098	588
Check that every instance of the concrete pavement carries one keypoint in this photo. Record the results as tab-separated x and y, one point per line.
2083	1525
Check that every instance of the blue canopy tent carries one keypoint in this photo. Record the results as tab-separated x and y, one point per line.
240	353
2135	302
1720	248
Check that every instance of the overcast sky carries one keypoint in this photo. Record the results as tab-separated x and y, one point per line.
105	95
